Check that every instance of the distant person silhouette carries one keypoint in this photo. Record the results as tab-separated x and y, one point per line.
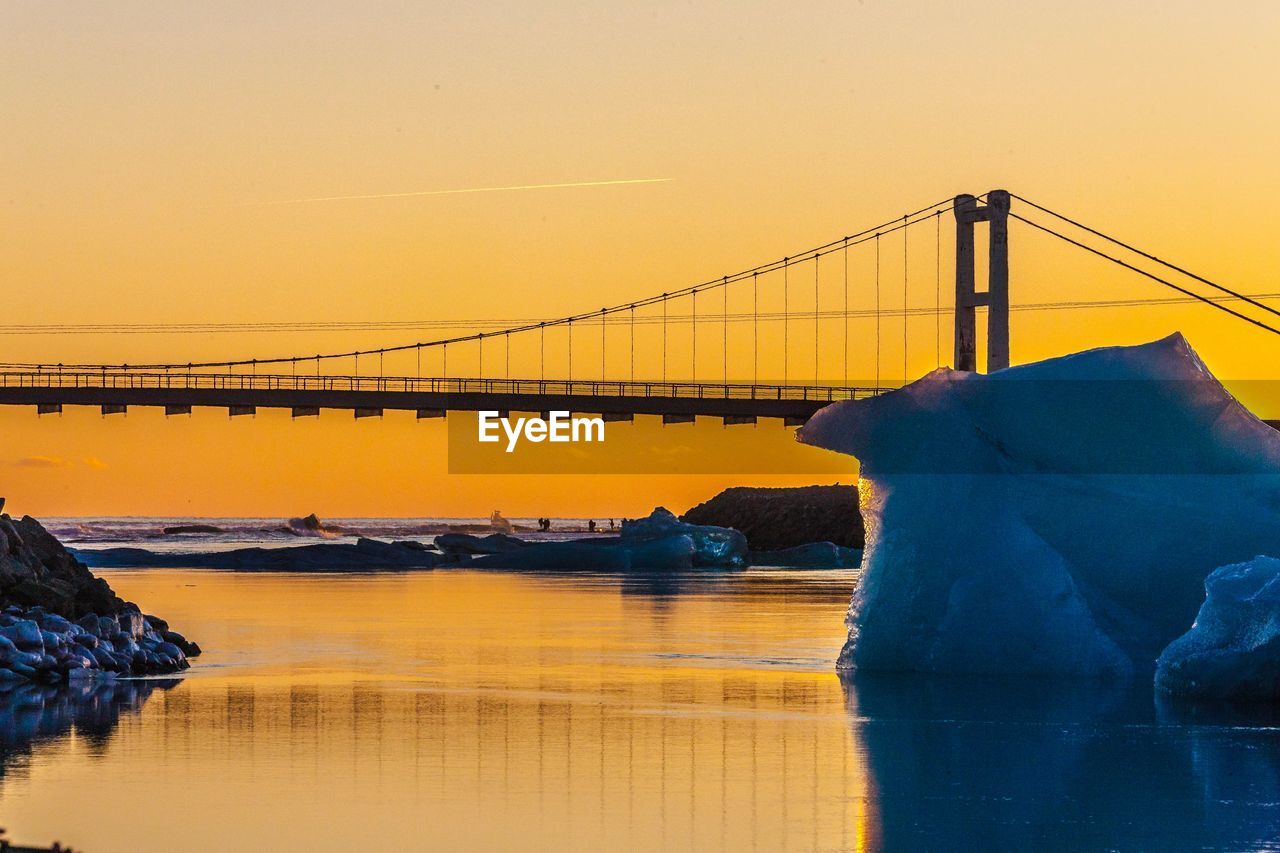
591	526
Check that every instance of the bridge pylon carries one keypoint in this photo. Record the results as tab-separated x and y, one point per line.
996	297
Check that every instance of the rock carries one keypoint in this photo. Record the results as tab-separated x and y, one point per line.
131	623
413	544
54	622
195	528
8	651
25	634
311	526
454	545
188	648
46	647
367	555
774	519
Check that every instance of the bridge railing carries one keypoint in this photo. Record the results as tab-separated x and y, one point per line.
181	380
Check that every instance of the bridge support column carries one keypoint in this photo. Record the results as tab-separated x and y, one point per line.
996	297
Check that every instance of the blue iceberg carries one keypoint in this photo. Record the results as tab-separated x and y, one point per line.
1054	518
712	546
1233	649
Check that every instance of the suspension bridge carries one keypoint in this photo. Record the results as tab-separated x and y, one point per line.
793	329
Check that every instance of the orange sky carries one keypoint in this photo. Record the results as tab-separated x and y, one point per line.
142	141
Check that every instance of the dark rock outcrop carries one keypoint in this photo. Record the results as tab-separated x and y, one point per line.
192	528
369	555
775	519
36	570
60	623
311	525
456	545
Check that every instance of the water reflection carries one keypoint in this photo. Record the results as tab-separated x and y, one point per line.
478	711
499	711
32	713
981	764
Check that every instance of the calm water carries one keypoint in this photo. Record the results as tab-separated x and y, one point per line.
461	710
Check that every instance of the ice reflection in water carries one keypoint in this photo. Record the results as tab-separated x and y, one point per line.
455	710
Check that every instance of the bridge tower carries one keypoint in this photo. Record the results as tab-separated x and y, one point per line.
996	297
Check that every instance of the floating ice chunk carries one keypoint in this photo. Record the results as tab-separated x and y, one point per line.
668	553
1052	518
1233	649
713	546
814	555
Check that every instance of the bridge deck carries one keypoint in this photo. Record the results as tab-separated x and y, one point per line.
176	389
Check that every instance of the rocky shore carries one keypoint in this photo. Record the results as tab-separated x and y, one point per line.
658	542
59	623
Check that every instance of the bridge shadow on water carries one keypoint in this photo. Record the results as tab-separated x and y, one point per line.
983	764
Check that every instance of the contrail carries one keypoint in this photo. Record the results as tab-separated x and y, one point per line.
467	190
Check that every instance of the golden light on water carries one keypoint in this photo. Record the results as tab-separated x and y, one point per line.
476	711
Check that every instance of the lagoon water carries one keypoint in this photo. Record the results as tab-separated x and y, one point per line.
498	711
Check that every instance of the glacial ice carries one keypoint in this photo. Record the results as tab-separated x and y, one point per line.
1052	518
814	555
713	546
1233	649
660	542
668	553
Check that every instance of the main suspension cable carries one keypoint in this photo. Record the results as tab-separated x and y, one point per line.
836	245
1146	255
1198	297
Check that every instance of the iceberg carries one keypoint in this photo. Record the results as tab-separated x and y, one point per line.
1054	518
658	543
712	546
814	555
669	553
1233	649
